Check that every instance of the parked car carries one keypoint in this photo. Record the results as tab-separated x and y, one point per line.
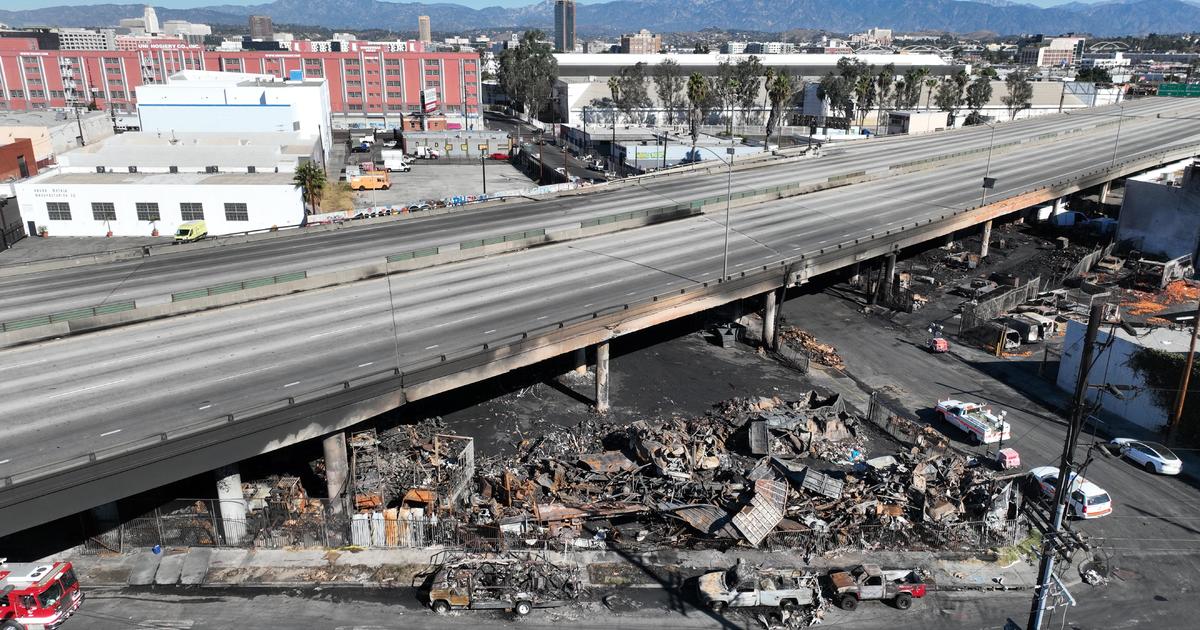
499	156
418	207
1086	500
1152	456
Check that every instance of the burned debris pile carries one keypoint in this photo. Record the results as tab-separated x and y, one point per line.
805	342
752	472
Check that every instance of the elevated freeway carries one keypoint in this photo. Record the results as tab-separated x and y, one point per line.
156	277
115	412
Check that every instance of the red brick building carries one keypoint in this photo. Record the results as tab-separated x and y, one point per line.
17	160
372	81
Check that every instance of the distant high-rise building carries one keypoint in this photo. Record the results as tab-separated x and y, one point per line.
564	25
261	27
150	19
641	43
424	32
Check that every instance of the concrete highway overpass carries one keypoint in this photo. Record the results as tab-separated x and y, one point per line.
104	415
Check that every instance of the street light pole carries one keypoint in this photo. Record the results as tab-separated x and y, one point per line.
1117	141
987	170
483	163
728	197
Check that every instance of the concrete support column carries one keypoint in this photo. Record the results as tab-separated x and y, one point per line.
337	469
987	238
602	377
232	503
889	271
580	361
1105	188
768	322
855	275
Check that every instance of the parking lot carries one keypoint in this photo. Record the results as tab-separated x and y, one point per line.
432	179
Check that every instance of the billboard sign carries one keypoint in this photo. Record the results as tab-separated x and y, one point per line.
429	100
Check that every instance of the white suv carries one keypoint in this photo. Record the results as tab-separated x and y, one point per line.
1086	499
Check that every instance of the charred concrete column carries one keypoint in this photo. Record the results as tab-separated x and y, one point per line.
889	272
768	323
1105	188
987	237
579	358
602	377
337	469
232	503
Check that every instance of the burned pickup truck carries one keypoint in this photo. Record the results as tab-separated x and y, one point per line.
868	581
510	582
744	586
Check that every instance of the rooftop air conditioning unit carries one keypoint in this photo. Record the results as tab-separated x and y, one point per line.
210	169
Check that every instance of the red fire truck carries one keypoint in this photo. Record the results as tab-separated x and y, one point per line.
37	596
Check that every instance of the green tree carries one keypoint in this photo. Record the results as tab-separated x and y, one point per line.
310	179
631	86
885	81
837	90
780	91
978	94
930	84
1020	93
987	71
614	88
950	95
699	99
1094	74
864	94
528	72
725	91
750	73
669	85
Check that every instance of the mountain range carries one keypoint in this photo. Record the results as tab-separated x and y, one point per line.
1119	17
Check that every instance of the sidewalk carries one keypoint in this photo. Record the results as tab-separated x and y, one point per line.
389	568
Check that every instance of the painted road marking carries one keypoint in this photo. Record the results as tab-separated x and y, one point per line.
113	432
205	407
432	347
88	389
5	461
366	364
233	376
488	332
334	332
10	367
292	383
542	317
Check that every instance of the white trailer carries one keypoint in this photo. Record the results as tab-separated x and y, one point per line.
395	161
977	420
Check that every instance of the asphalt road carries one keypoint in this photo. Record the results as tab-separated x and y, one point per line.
81	394
57	291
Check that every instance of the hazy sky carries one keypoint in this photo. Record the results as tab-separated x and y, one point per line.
174	4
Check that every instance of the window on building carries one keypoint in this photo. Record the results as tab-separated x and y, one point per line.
191	211
351	62
236	212
113	60
395	107
375	72
58	210
312	62
17	93
391	62
395	83
104	211
147	211
354	107
353	94
118	94
37	94
353	72
354	83
314	72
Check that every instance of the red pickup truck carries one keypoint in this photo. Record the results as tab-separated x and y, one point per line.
868	581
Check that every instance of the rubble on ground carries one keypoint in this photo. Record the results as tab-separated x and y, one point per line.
805	342
753	472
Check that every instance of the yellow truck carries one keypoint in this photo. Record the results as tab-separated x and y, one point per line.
371	180
191	232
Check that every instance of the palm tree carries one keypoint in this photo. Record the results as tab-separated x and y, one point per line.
780	90
697	93
930	83
310	179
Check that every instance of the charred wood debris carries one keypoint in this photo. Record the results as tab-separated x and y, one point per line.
752	472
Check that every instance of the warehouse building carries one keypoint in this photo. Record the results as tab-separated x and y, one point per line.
136	184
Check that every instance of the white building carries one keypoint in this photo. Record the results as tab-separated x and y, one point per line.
87	39
733	48
193	33
234	102
136	183
583	78
1112	365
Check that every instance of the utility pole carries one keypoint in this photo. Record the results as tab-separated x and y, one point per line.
1050	542
1184	380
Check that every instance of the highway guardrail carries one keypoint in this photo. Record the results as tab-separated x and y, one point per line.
66	316
242	285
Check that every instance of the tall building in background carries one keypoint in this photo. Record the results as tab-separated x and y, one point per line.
564	25
150	20
261	27
424	32
642	42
